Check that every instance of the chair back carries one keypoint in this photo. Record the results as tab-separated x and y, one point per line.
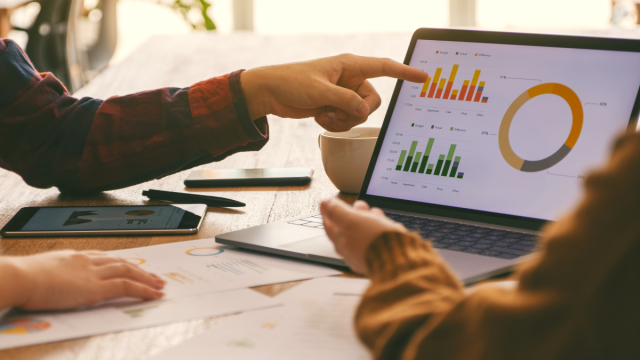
62	40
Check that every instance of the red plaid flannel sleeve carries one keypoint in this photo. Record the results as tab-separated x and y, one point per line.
83	145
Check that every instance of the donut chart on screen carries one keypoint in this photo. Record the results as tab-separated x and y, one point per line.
577	112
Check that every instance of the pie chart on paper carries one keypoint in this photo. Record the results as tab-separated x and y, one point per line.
23	326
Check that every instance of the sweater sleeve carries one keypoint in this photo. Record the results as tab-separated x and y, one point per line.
577	300
84	145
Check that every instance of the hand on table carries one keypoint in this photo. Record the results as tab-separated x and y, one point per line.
353	229
70	279
334	90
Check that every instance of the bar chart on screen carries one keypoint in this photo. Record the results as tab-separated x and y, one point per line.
419	162
441	87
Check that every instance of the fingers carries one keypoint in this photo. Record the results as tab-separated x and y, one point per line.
117	288
330	122
378	212
369	94
376	67
104	259
347	100
336	211
331	229
361	205
131	272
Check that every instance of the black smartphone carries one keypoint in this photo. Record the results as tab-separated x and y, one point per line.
105	220
249	177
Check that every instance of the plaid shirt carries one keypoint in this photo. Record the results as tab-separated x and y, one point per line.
84	145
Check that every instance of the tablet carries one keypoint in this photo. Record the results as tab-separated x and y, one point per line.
105	220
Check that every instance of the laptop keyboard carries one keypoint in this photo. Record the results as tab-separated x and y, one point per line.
312	221
471	239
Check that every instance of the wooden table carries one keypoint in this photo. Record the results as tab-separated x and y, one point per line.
182	61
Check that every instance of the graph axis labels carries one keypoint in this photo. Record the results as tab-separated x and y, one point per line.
577	112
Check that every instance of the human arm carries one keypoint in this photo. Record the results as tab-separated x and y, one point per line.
86	145
69	279
577	299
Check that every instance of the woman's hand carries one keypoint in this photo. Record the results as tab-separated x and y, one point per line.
353	229
334	90
70	279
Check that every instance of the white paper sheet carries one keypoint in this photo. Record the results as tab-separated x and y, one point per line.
315	323
37	328
203	280
202	266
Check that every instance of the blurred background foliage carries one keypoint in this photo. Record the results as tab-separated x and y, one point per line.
197	13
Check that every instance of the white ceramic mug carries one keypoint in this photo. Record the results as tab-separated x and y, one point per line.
346	156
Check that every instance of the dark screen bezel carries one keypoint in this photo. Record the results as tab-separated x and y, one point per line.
504	38
189	220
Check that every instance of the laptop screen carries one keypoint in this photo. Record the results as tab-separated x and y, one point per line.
506	129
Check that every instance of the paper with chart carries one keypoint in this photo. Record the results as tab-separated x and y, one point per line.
202	266
317	322
202	280
21	329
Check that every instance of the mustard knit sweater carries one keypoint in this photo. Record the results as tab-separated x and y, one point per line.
580	299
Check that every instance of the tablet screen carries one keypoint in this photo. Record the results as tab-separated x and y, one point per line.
506	129
105	218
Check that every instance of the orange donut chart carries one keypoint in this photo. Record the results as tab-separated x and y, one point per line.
204	251
136	261
538	165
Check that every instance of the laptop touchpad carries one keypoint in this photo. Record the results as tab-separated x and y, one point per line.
319	245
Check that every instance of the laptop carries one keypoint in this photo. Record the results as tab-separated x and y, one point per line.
492	147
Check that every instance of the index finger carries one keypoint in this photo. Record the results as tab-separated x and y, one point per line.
335	211
371	67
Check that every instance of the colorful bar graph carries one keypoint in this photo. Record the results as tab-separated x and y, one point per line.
425	87
440	88
416	161
460	175
407	164
474	82
434	83
447	163
425	158
465	86
454	168
452	78
439	165
403	153
429	169
479	93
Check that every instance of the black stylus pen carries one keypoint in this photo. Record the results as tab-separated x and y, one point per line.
186	198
